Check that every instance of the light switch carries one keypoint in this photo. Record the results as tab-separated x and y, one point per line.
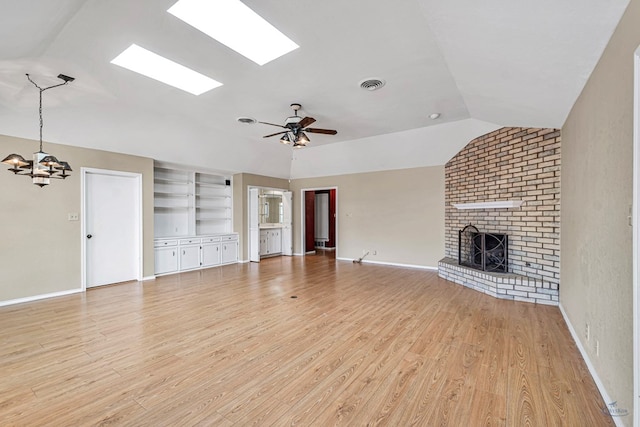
72	217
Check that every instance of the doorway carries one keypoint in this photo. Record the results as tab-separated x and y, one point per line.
319	219
111	227
270	222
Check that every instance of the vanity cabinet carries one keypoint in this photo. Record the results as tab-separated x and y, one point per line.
270	241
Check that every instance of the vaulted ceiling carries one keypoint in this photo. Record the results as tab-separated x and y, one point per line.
481	65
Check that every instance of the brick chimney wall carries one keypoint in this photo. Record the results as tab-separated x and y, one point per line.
511	164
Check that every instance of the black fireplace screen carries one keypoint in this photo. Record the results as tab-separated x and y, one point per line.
483	251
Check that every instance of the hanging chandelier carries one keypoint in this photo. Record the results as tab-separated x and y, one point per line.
44	166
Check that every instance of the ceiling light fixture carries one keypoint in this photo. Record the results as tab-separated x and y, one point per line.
296	127
149	64
302	139
286	139
44	166
236	26
434	116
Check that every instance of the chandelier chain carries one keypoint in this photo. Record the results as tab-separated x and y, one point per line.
40	107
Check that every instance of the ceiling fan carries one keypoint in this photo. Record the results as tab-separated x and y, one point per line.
296	127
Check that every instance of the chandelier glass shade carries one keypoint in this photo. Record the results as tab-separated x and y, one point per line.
43	166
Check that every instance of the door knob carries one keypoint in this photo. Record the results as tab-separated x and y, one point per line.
89	236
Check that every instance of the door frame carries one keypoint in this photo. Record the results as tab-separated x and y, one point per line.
302	212
83	223
635	217
248	230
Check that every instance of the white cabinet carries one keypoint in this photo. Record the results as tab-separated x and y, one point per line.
175	255
211	254
264	242
166	257
229	249
275	241
270	241
189	256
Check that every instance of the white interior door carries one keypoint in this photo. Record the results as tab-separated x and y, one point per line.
287	233
112	206
254	226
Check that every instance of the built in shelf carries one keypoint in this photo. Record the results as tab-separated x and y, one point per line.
211	185
490	205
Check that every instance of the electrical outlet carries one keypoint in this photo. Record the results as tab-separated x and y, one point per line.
375	252
72	216
587	331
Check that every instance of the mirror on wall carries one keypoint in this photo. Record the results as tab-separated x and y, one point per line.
270	207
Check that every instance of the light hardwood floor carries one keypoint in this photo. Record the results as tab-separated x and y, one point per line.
228	346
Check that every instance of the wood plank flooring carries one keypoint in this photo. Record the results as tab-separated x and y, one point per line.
229	346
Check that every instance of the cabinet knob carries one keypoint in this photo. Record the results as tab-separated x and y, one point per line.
89	236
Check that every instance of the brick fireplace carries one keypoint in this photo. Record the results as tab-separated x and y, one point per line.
520	167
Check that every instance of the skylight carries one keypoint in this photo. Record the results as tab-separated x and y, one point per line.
236	26
142	61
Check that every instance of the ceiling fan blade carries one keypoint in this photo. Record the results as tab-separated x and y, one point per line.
306	122
274	134
272	124
324	131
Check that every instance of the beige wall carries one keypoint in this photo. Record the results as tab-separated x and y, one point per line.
241	183
40	247
596	270
398	213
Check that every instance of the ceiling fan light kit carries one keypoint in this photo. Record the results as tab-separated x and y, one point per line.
296	127
44	166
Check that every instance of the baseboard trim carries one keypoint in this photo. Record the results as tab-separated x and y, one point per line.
603	392
147	278
39	297
393	264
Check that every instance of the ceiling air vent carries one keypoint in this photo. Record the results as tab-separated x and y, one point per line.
372	84
246	120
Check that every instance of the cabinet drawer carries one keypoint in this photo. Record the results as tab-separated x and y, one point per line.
163	243
229	238
189	241
211	239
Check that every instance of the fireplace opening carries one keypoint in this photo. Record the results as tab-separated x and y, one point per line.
483	251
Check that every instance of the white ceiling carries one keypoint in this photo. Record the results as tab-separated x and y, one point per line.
481	65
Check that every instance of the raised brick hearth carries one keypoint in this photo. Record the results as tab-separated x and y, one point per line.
498	285
505	165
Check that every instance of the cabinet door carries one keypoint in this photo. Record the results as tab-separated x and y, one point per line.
264	242
189	257
210	254
275	242
229	252
166	260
